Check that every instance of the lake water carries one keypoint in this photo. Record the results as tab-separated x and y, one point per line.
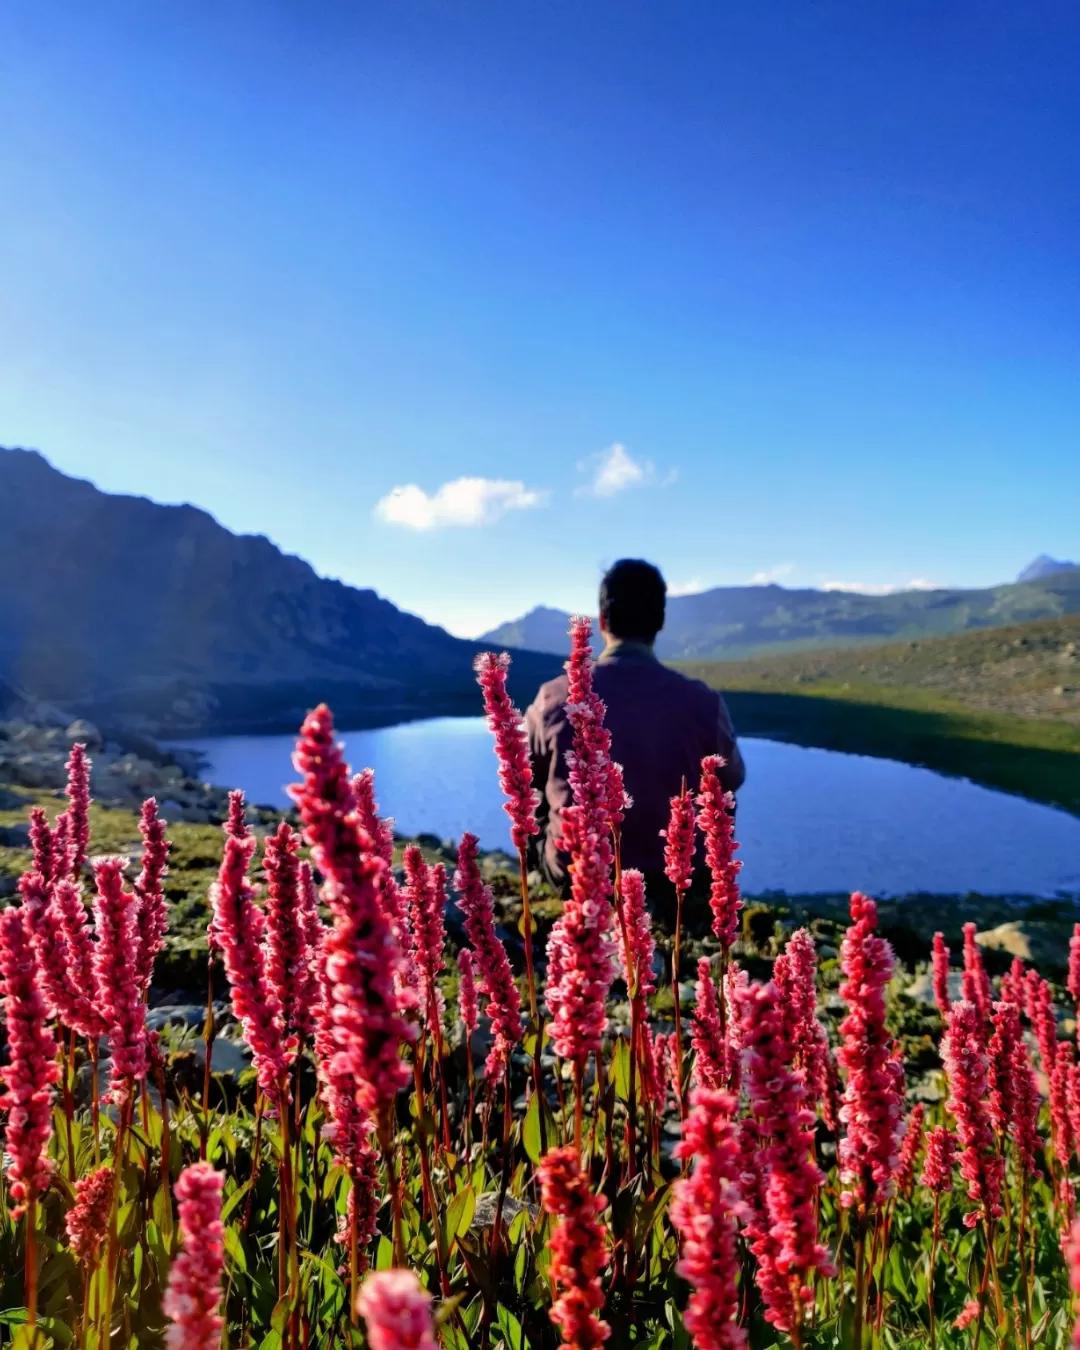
809	820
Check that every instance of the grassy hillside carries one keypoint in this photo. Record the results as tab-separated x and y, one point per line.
1001	707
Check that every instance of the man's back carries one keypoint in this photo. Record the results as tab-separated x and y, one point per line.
662	725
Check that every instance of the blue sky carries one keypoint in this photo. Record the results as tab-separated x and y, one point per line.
786	290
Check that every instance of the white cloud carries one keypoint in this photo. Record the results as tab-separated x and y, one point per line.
877	588
615	469
464	501
771	574
691	587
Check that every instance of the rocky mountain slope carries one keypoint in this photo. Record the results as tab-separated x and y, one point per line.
731	622
157	619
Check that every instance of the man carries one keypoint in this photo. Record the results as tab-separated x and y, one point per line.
662	725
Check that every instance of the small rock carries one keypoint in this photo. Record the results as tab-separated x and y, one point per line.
14	836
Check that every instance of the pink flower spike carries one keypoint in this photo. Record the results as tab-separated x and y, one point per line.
941	974
716	820
711	1066
637	963
363	959
397	1311
67	1001
80	948
192	1301
705	1208
940	1156
119	998
909	1153
77	813
425	904
31	1070
88	1218
967	1067
679	842
511	746
288	965
578	1249
873	1109
1002	1054
496	977
1074	964
1072	1256
151	916
1039	1001
470	1013
46	862
976	981
795	973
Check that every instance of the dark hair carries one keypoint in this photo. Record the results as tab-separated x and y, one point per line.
632	597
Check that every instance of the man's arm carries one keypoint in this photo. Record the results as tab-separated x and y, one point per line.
733	774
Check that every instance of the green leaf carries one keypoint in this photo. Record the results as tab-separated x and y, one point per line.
530	1129
235	1248
271	1341
459	1214
510	1328
620	1069
384	1254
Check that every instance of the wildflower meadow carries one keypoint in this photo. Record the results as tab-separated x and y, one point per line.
446	1146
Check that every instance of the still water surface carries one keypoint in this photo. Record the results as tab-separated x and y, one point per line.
809	820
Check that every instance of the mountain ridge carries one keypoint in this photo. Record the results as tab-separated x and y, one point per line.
156	618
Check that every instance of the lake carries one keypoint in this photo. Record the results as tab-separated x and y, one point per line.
809	820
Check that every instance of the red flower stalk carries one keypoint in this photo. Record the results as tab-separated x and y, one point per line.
66	1000
1025	1124
511	746
1039	1002
1073	984
1061	1122
940	957
397	1311
362	1205
151	916
67	903
78	811
289	969
909	1152
705	1208
381	832
31	1070
119	998
48	857
1072	1256
580	951
378	827
362	957
240	926
1002	1053
716	820
496	977
976	981
795	973
873	1109
578	1249
785	1127
940	1157
679	842
470	1013
654	1080
711	1055
88	1218
425	902
639	948
1013	984
968	1072
193	1298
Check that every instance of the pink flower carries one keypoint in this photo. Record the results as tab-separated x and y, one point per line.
31	1070
968	1071
193	1298
1039	1005
380	831
909	1153
88	1218
976	981
940	1155
496	977
77	830
711	1053
511	747
289	969
397	1311
67	903
470	1014
119	998
378	827
1014	983
795	973
425	903
151	916
941	974
66	1000
705	1207
362	1204
1061	1124
578	1249
679	842
240	926
362	956
873	1109
637	962
785	1128
1025	1122
580	951
1072	1256
48	853
716	820
968	1315
654	1080
1073	984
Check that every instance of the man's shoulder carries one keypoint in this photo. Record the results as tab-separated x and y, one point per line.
551	697
687	684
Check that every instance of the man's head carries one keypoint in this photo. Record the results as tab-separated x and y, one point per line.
632	598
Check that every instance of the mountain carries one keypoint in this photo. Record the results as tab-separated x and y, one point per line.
155	618
541	630
1044	566
731	622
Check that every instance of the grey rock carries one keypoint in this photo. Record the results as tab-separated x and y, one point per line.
15	836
